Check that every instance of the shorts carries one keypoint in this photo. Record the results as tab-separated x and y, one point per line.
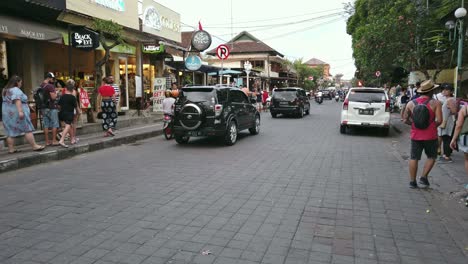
66	117
50	118
429	147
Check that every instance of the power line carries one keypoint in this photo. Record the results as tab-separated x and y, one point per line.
304	29
278	18
283	24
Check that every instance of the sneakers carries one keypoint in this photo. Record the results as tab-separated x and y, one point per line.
424	181
413	185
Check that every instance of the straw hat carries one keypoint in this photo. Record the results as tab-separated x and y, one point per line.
427	86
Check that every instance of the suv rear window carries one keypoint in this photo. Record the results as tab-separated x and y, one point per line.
285	94
366	96
199	94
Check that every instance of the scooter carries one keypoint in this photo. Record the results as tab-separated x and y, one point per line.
319	99
168	127
337	97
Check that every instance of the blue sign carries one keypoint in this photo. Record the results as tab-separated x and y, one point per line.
193	63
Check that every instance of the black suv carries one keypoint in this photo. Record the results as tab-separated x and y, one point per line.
214	111
289	101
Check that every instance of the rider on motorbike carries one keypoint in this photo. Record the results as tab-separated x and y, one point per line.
168	103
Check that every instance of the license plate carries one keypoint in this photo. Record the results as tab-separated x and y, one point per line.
194	133
366	111
284	103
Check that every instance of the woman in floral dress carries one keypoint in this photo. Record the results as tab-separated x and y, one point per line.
16	116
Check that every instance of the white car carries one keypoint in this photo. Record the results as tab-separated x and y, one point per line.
366	107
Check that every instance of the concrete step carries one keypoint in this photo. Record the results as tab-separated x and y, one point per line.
125	121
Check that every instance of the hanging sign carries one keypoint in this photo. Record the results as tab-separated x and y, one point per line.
153	49
193	63
201	40
84	39
84	99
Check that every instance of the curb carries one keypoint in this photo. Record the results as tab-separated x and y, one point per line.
66	153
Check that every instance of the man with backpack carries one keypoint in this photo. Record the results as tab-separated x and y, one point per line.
425	114
46	94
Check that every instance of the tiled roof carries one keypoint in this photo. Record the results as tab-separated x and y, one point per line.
315	61
244	42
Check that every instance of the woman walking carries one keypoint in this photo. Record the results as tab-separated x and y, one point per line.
461	143
16	115
108	107
68	106
445	130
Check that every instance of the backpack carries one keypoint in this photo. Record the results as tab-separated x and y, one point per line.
421	115
41	98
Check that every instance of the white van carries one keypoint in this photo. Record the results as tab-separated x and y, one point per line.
366	107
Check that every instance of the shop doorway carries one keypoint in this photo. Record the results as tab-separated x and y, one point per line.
123	67
127	70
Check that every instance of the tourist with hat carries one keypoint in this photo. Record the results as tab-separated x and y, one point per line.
425	115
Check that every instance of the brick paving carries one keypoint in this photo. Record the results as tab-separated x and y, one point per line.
299	192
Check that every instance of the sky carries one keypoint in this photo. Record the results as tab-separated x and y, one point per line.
296	28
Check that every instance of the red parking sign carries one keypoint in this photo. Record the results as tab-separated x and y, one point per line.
222	51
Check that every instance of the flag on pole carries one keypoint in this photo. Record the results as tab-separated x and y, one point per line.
200	26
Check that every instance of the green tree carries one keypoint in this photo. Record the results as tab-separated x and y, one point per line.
396	37
110	35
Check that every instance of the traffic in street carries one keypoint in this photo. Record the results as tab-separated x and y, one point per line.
298	192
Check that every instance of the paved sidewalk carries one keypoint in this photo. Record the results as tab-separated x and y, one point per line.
448	186
88	143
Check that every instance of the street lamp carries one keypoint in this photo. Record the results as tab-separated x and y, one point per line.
247	69
460	14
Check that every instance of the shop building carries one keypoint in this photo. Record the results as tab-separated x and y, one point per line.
37	40
267	63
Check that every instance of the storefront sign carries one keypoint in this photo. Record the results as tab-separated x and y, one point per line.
27	29
193	63
158	93
84	39
123	12
201	40
118	5
84	99
160	20
154	49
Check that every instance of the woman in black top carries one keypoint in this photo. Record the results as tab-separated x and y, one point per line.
68	105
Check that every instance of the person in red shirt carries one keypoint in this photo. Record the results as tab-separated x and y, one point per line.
423	139
108	107
264	99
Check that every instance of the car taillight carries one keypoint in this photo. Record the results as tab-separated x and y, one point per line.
218	109
345	104
387	106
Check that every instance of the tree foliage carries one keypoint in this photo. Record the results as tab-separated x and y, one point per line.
399	36
303	72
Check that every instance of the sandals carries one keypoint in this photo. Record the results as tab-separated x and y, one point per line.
14	151
41	148
63	145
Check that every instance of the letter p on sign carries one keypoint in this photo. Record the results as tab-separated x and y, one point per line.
222	51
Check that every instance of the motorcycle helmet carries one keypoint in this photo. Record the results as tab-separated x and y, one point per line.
175	93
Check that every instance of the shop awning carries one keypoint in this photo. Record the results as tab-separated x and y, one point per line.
27	29
122	48
224	72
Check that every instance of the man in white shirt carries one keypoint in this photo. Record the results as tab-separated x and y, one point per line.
168	103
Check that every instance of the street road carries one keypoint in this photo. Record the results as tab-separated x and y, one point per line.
299	192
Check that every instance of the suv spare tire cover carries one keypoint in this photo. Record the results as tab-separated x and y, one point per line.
191	116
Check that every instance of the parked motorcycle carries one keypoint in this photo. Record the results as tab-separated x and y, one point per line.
168	127
337	97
